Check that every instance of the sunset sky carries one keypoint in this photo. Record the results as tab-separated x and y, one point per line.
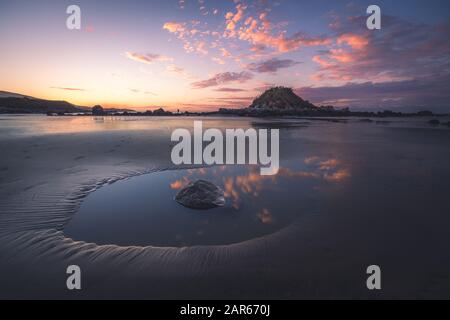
205	54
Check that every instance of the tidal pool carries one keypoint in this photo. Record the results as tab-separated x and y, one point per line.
141	211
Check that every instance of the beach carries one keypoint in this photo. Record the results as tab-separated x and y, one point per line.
385	202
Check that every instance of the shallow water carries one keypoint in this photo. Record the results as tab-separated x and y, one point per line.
142	211
39	125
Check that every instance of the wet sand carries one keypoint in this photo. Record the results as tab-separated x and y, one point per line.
391	211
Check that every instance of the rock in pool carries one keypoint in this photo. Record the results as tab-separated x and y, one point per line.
201	195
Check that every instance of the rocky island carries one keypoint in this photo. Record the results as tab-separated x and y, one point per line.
281	98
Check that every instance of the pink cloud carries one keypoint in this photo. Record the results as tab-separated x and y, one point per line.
147	58
68	89
233	18
396	54
358	42
271	65
218	60
260	33
178	72
229	90
225	53
201	47
174	27
223	78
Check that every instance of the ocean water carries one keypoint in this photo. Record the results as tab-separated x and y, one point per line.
39	125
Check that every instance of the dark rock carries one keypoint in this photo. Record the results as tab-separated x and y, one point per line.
434	122
161	112
281	98
388	113
425	113
201	195
327	108
98	111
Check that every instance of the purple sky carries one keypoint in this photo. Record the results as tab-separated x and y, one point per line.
201	55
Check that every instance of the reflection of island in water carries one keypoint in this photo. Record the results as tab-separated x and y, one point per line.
141	211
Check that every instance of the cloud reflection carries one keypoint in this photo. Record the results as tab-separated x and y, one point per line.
265	216
252	183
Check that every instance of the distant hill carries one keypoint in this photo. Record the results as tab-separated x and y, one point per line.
17	103
280	98
6	94
32	105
